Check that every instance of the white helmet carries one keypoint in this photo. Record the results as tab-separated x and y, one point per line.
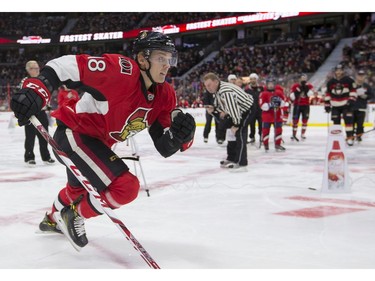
231	77
254	75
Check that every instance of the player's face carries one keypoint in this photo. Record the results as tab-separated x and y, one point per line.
211	85
253	81
361	78
34	70
339	72
270	85
160	64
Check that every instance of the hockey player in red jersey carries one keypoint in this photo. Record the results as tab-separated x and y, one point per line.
300	96
122	96
271	100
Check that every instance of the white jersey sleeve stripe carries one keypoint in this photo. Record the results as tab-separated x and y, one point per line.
87	104
66	68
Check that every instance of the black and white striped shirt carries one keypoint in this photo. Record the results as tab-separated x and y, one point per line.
232	100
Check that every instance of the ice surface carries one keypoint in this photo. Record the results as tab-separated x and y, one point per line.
198	215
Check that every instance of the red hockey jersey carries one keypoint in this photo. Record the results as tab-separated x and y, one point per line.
269	114
116	103
304	94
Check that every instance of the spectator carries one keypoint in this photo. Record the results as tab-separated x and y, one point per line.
316	99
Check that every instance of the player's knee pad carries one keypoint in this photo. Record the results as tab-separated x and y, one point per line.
122	190
68	194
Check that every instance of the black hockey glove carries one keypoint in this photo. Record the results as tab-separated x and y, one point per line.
182	128
297	92
275	102
350	105
25	104
327	109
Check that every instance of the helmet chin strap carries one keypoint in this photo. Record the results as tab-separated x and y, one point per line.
148	73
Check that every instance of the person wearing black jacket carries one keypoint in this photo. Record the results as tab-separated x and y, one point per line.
32	68
256	114
364	93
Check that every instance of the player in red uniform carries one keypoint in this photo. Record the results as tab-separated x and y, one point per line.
122	96
271	100
300	96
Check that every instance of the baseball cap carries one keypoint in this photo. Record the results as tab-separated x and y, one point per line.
361	72
232	76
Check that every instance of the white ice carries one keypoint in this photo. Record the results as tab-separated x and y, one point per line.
198	215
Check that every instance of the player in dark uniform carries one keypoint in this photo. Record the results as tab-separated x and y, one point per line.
364	93
122	96
340	97
256	114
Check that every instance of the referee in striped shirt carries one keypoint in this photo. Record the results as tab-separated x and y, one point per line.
233	102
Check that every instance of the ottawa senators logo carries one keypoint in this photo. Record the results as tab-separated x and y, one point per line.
338	89
136	122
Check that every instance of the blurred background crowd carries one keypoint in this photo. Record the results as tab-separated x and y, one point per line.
283	48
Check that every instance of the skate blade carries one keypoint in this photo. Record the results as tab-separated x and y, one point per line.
40	232
61	224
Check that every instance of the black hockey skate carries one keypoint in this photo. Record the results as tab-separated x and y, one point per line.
350	141
48	226
294	138
266	148
279	148
72	225
225	163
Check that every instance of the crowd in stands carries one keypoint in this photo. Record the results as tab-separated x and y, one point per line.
179	17
284	59
284	62
105	22
31	24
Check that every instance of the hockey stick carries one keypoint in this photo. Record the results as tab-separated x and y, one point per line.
274	123
373	129
90	189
